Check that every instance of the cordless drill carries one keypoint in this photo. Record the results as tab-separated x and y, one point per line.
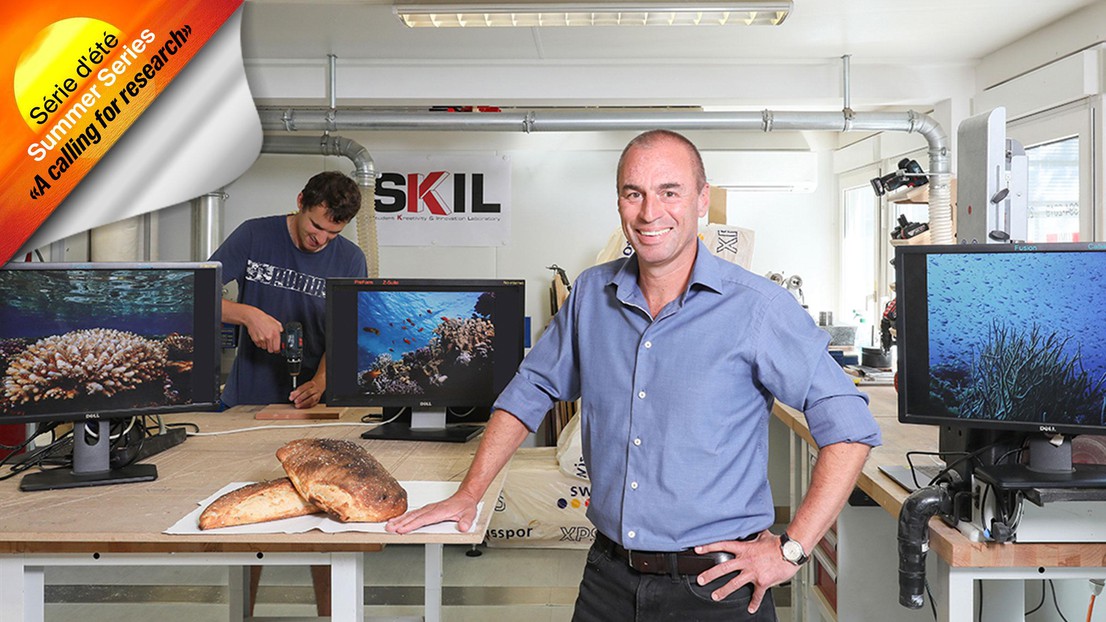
291	346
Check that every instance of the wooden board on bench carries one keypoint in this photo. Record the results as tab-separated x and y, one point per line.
288	411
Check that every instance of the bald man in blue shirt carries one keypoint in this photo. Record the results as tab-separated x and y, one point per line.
677	357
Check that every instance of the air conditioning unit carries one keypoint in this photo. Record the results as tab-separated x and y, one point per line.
762	171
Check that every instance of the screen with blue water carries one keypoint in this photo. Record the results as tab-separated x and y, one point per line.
1003	336
107	340
422	342
426	343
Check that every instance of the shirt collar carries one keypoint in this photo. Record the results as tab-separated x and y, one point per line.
704	272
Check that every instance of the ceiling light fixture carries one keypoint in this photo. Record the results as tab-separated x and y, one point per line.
430	14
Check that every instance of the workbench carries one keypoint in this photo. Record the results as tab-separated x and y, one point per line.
871	549
122	524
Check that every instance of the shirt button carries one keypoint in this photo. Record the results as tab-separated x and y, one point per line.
641	394
631	534
648	344
633	485
637	441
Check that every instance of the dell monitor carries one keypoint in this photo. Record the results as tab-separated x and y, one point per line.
89	343
441	348
1005	344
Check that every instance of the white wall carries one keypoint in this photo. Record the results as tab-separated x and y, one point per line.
563	210
796	233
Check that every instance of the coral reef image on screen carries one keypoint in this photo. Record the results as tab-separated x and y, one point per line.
425	343
1018	336
93	340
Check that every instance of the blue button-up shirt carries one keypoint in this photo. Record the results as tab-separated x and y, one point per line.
675	408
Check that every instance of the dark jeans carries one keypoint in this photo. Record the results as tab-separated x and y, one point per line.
611	591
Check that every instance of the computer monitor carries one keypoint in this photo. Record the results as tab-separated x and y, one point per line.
94	342
1004	345
437	347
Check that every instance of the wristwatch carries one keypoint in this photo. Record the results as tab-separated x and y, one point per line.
792	550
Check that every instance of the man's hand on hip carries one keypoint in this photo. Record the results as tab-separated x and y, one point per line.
758	561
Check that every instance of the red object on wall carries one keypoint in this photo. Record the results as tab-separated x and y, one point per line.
12	434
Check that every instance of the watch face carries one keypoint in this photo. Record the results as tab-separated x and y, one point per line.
792	551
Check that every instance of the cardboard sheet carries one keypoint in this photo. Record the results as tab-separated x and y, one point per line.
419	493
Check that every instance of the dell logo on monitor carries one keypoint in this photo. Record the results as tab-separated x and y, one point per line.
426	403
92	415
1048	428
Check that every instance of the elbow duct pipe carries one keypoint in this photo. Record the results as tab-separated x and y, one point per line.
364	173
922	505
360	119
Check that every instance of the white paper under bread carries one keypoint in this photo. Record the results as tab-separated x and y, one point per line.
419	493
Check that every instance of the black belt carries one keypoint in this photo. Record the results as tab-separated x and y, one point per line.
686	561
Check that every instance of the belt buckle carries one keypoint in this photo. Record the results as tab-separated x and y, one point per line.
630	559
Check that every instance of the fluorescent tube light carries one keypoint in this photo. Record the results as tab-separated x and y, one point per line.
546	14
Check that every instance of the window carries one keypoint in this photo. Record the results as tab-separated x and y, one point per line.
859	255
1059	149
1053	203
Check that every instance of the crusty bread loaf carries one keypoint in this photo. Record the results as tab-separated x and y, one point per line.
256	503
343	479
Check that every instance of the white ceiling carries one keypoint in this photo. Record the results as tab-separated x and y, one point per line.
903	54
871	31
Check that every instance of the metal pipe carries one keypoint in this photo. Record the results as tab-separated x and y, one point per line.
332	72
362	119
206	228
364	173
845	80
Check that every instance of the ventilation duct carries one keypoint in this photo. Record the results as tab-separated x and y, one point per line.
360	119
206	230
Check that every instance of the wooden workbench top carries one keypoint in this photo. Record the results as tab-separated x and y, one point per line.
130	517
953	546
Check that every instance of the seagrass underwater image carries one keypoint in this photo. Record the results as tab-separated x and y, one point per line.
425	343
94	340
1024	346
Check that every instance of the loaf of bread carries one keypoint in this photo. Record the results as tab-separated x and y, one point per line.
256	503
343	479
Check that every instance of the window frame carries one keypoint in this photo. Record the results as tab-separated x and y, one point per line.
852	180
1077	119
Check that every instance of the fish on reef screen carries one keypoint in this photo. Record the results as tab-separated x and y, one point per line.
426	343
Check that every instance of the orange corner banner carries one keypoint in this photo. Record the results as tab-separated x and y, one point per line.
73	78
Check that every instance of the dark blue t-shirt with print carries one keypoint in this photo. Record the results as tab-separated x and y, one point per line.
288	284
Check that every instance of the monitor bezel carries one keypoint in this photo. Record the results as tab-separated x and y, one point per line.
912	319
418	284
215	269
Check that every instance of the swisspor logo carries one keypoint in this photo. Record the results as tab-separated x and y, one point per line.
578	497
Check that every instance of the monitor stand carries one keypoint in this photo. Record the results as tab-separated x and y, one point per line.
91	464
1050	466
424	425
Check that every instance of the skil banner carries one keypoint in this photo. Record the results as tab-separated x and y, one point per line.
74	78
448	200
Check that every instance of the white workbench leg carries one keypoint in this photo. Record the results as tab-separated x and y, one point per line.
347	587
22	590
433	599
238	592
958	601
1003	600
